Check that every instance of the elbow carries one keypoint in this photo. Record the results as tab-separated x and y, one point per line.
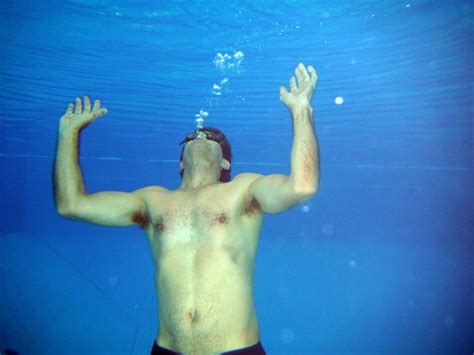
308	189
68	208
305	194
65	211
308	195
306	186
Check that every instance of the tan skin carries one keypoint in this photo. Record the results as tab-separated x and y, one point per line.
204	235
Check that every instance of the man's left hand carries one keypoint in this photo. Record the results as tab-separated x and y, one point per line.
300	94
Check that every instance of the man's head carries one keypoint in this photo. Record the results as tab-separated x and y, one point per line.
210	143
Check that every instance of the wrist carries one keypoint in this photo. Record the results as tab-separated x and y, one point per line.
67	131
301	108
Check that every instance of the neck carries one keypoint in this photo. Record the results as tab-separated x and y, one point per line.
199	175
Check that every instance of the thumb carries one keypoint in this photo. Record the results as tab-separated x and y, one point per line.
100	113
283	90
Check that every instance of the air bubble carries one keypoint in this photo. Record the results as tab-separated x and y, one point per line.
228	65
226	62
200	117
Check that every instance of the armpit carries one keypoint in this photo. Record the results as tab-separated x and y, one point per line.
141	219
251	207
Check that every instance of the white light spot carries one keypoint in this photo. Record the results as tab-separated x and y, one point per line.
328	229
286	335
339	100
305	208
407	5
352	263
353	61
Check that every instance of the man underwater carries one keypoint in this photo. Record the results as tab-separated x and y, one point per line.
204	235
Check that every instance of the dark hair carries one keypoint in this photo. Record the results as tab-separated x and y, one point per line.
226	154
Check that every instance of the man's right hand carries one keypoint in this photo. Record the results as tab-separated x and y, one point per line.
80	117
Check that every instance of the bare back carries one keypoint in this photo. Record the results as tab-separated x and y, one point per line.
204	243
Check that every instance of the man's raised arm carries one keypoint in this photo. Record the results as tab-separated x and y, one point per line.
277	193
305	151
106	208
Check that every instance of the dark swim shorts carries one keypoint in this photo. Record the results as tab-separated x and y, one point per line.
256	349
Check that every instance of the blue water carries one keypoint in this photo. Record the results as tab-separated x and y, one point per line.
380	261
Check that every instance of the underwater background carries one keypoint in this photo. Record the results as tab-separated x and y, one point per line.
380	261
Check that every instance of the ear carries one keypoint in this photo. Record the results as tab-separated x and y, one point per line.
225	164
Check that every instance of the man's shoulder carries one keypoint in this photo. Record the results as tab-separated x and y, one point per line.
147	190
247	176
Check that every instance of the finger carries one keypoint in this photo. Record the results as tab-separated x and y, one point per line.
303	71
96	105
100	112
283	90
314	74
87	104
70	107
293	83
298	75
78	105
